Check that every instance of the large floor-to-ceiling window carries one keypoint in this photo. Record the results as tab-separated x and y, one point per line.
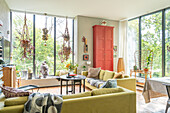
151	39
153	35
43	50
17	52
60	27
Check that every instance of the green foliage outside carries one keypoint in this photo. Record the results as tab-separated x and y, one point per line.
152	39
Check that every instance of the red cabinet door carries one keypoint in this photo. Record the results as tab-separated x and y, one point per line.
98	48
108	48
103	47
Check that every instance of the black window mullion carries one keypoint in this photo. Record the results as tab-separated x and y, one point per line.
34	67
163	42
140	43
11	44
54	45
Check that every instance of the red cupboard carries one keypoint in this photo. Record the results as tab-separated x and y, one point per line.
103	47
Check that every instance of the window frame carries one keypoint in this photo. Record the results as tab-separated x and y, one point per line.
163	36
34	36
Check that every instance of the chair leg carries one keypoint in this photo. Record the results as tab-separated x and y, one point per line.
166	110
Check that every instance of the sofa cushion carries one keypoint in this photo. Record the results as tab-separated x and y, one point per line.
106	91
125	76
95	82
111	83
118	75
13	92
84	94
16	101
101	74
85	73
108	75
93	72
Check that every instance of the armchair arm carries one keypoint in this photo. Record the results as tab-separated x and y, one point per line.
85	73
12	109
16	101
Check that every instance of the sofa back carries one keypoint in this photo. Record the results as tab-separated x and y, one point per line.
121	102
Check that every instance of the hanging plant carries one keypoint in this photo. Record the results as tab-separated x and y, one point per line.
65	52
25	41
46	31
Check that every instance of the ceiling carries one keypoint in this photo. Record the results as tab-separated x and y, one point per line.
108	9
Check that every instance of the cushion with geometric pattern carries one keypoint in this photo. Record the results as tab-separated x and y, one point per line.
13	92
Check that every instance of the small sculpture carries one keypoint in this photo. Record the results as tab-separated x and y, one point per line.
44	69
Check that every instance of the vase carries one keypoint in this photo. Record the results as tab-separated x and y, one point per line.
120	65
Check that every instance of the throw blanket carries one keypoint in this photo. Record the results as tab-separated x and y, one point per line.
43	103
155	85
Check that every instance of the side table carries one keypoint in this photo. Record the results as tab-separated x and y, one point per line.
75	79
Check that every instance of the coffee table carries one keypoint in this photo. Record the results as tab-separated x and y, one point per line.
75	79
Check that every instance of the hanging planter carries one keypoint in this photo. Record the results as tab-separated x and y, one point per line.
45	31
66	35
66	49
25	41
45	34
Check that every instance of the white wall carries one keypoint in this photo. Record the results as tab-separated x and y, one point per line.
83	27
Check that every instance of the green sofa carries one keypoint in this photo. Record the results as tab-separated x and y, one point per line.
126	82
106	100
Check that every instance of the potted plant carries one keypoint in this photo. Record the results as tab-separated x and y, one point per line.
71	67
135	68
148	61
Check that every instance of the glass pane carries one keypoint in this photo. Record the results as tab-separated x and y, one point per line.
167	44
17	53
133	43
44	52
60	29
152	40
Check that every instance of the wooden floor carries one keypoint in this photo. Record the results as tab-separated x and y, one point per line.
157	105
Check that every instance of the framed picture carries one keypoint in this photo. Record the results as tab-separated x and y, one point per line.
85	57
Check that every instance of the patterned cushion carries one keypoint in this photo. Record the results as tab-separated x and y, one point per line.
93	72
13	92
112	83
108	75
95	82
